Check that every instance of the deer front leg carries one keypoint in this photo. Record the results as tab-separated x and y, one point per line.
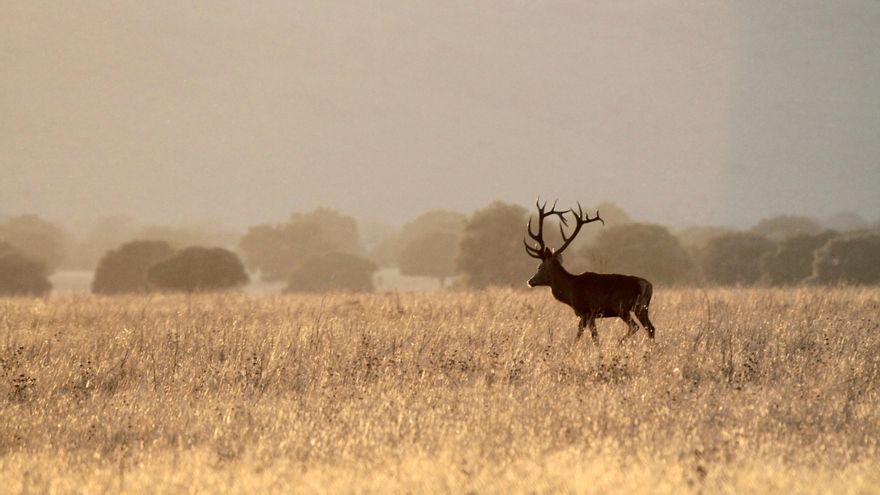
583	324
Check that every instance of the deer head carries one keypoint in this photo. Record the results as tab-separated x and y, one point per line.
550	258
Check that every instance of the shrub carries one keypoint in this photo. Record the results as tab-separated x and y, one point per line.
198	269
125	269
333	271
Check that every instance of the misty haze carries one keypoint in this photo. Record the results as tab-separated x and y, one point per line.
686	114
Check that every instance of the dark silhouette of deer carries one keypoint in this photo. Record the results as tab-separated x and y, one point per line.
590	295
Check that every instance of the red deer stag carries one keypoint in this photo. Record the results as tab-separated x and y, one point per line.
590	295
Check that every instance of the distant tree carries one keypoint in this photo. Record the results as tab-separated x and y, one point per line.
275	250
372	233
791	261
387	253
95	240
35	239
333	271
198	268
851	258
696	238
648	251
431	255
612	214
179	236
846	221
6	248
338	230
92	242
734	258
124	269
784	226
20	276
491	250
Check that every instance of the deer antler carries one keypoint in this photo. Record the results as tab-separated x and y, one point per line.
581	220
538	250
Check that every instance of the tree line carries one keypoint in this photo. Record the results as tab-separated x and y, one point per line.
326	250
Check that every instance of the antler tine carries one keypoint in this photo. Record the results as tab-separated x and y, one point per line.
533	235
561	215
586	218
538	250
541	206
554	211
580	220
533	252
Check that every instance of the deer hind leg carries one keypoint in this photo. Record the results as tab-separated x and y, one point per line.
633	326
593	332
642	315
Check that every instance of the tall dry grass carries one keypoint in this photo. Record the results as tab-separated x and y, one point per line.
744	391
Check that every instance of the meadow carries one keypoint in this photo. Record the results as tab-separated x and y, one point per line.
744	391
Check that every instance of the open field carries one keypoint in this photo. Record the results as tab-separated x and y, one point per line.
744	391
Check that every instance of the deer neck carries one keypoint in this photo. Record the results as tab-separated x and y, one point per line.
563	284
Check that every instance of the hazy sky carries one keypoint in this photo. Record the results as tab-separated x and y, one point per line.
685	113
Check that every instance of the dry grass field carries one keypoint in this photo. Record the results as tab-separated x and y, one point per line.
744	391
